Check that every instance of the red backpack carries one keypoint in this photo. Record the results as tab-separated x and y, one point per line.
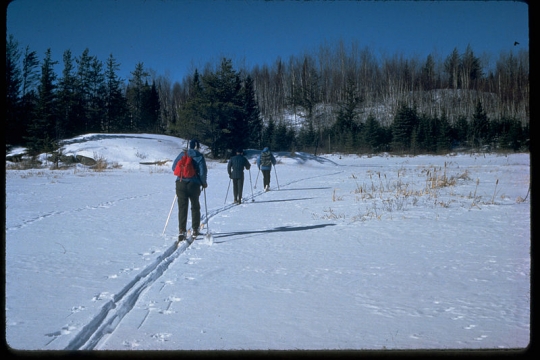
185	168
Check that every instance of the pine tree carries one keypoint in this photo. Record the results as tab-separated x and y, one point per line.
115	117
372	133
12	132
281	140
67	99
428	74
252	115
96	105
29	97
41	132
404	123
461	131
451	66
223	108
81	121
479	126
135	95
151	109
269	133
192	119
444	142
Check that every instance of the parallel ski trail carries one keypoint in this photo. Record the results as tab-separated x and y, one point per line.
106	321
112	313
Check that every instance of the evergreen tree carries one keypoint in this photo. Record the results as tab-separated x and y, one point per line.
269	134
444	141
29	100
115	117
192	121
511	134
451	66
404	123
151	110
68	106
12	132
461	131
135	95
479	126
372	134
96	105
428	80
223	108
42	137
84	93
281	139
30	73
252	115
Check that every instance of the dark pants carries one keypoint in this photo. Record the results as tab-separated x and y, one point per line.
238	187
266	178
188	192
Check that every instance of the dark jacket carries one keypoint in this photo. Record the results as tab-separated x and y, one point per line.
236	166
200	166
272	160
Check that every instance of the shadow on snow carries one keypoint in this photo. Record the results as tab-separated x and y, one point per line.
278	229
281	200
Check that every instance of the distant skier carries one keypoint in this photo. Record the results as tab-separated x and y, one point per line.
188	187
235	168
265	161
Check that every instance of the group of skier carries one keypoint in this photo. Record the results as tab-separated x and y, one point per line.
190	182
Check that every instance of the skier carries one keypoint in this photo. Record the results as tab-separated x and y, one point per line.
188	189
235	168
265	161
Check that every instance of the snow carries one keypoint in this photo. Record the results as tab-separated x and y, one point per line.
344	252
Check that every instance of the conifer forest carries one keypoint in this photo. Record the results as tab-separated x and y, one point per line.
337	98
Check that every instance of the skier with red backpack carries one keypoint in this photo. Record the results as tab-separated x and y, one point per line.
191	171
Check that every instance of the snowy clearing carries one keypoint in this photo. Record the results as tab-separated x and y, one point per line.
344	252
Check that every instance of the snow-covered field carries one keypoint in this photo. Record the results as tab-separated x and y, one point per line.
344	252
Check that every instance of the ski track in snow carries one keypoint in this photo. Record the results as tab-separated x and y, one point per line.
106	204
112	312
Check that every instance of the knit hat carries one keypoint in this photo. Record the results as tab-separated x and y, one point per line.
239	151
194	144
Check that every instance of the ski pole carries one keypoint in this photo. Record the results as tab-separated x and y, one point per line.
208	234
170	211
257	178
252	197
277	180
226	195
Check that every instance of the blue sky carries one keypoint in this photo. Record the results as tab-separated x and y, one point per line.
172	37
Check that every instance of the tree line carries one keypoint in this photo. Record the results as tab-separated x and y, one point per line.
335	99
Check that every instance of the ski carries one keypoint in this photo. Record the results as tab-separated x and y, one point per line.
189	238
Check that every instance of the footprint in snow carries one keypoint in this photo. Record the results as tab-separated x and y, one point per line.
102	296
193	261
161	336
131	344
76	309
65	330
